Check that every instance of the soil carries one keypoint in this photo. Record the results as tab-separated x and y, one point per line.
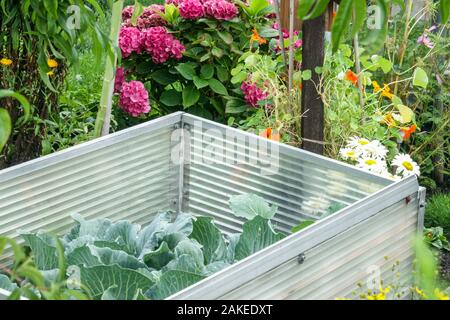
445	266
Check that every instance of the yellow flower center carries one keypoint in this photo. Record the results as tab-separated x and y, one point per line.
351	154
370	162
363	142
408	165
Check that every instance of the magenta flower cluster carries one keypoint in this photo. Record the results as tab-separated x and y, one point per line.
220	9
161	45
156	41
252	93
129	41
149	18
191	9
297	44
119	80
134	98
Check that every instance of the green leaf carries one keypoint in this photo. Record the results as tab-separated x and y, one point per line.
222	74
44	250
6	284
171	98
444	10
52	7
302	225
420	78
127	283
238	78
319	8
250	206
217	87
200	83
158	258
190	96
359	9
5	127
217	52
173	281
304	8
207	71
257	234
226	37
341	23
405	112
306	75
210	237
187	70
163	77
235	106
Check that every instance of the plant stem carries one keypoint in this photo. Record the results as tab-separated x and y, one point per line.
404	42
280	32
103	120
291	43
358	67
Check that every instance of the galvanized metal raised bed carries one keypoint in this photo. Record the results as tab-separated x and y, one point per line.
184	163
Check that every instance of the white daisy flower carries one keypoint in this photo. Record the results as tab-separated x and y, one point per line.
405	165
349	153
372	164
341	75
357	143
374	149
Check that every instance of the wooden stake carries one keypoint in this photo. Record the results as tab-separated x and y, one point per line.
312	106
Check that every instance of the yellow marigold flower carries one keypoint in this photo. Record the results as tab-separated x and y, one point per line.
387	92
52	63
6	62
376	86
440	295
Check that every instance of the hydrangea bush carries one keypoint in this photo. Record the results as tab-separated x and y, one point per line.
183	53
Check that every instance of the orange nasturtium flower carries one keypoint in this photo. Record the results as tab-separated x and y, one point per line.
406	131
352	77
385	92
376	87
6	62
256	37
269	134
52	63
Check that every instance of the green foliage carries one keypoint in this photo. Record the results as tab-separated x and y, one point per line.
201	83
437	212
5	119
435	237
123	261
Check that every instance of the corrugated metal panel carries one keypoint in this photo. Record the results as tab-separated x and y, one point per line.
303	188
333	268
121	178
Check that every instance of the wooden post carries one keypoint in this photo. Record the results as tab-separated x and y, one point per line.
312	105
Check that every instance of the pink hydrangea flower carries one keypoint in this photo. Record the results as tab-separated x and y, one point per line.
175	2
149	18
220	9
127	12
129	41
191	9
119	80
161	45
252	93
134	98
